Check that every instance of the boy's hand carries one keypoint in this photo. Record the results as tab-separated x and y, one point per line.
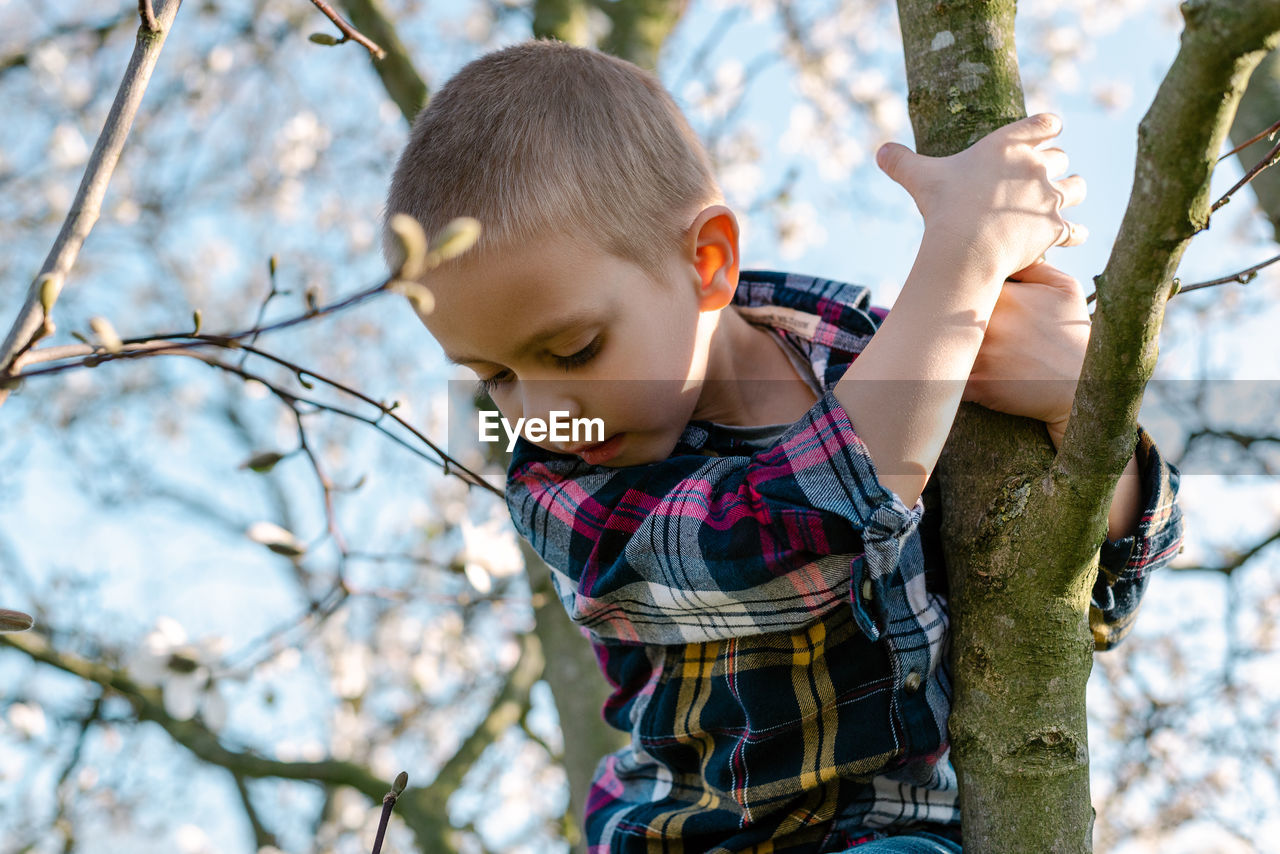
1033	349
995	200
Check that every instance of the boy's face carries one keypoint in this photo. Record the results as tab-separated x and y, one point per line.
556	326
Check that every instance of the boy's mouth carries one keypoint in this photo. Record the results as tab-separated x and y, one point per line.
599	452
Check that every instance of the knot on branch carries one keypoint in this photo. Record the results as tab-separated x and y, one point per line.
1049	750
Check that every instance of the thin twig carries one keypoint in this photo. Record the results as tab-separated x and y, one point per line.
1250	141
1267	161
326	487
1243	277
93	187
349	33
91	357
149	22
388	804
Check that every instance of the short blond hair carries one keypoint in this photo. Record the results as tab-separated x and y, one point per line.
543	138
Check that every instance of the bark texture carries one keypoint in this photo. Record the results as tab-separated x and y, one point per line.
1021	528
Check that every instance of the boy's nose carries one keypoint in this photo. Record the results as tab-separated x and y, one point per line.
542	397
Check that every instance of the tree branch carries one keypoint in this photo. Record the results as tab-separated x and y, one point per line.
1178	142
423	813
261	836
93	187
349	33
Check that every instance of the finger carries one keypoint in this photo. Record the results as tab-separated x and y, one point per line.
1073	234
1034	129
899	163
1073	190
1055	161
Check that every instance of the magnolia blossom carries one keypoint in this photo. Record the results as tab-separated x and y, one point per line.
183	672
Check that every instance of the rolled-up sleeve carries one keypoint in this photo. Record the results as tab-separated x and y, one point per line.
696	548
1125	565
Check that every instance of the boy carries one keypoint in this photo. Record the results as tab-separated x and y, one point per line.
759	578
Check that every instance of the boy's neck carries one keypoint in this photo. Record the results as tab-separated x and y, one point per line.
749	379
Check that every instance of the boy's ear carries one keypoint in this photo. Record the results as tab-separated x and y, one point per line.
713	250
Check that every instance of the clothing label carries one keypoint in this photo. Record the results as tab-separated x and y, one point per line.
800	322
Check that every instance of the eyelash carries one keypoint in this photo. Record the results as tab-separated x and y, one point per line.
574	360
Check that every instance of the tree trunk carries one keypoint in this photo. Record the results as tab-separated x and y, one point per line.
1021	538
1020	660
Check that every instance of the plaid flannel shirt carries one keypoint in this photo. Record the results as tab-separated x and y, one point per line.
773	621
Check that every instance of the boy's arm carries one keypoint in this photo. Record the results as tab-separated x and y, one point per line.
1125	563
989	211
696	548
906	385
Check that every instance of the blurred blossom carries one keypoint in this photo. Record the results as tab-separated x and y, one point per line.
190	839
183	672
127	211
1063	40
360	235
889	115
1066	75
67	147
728	82
478	26
799	229
298	143
48	59
1113	95
868	84
352	809
491	545
221	59
478	578
27	719
351	671
287	200
384	763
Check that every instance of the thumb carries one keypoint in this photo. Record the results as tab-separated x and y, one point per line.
896	160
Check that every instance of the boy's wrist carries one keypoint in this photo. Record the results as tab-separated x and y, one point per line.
973	258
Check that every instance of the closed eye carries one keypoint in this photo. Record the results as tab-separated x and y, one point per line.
487	386
580	358
574	360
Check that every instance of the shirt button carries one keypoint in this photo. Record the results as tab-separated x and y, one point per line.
866	589
912	682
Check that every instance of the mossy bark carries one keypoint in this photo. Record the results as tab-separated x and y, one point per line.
1021	527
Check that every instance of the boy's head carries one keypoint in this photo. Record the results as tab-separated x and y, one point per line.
542	138
601	221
